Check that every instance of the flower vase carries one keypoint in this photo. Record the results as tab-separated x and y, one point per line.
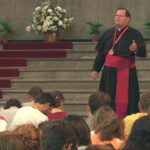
51	37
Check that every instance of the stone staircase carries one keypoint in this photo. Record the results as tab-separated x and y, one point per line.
72	76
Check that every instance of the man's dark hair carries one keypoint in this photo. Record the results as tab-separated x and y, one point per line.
13	102
45	98
81	128
57	134
145	101
128	13
35	91
97	100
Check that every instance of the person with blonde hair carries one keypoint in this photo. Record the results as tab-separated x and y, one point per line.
11	141
101	115
110	131
30	135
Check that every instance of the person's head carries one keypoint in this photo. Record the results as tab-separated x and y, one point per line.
111	128
42	126
100	147
144	102
34	92
122	17
139	137
12	102
101	115
30	135
59	98
59	135
97	100
11	141
45	102
81	128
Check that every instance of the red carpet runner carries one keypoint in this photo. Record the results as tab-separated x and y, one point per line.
15	54
36	45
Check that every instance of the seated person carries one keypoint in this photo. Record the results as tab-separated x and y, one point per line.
31	136
3	124
101	115
100	147
96	100
139	138
32	94
57	112
11	141
10	109
35	114
59	135
82	130
143	105
110	131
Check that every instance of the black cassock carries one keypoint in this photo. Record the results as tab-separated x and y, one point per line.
108	80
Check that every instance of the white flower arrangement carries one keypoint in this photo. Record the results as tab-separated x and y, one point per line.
49	18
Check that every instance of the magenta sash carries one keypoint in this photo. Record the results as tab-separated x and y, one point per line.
122	64
2	118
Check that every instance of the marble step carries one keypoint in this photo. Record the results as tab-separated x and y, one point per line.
52	84
91	45
75	63
88	53
67	73
71	96
84	46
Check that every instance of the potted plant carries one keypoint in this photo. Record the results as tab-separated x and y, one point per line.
5	28
147	25
50	19
94	27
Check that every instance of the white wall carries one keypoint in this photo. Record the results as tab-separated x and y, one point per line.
19	14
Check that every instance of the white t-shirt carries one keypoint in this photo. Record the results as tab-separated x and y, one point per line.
27	115
9	113
3	124
28	103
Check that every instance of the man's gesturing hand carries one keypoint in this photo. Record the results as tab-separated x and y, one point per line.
133	46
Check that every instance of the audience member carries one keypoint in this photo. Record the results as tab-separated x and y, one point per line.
102	114
81	128
139	138
11	141
31	136
36	113
110	131
32	94
57	112
100	147
10	109
59	135
96	100
3	124
42	126
143	105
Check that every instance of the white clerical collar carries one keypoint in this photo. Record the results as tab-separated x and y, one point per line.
119	29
